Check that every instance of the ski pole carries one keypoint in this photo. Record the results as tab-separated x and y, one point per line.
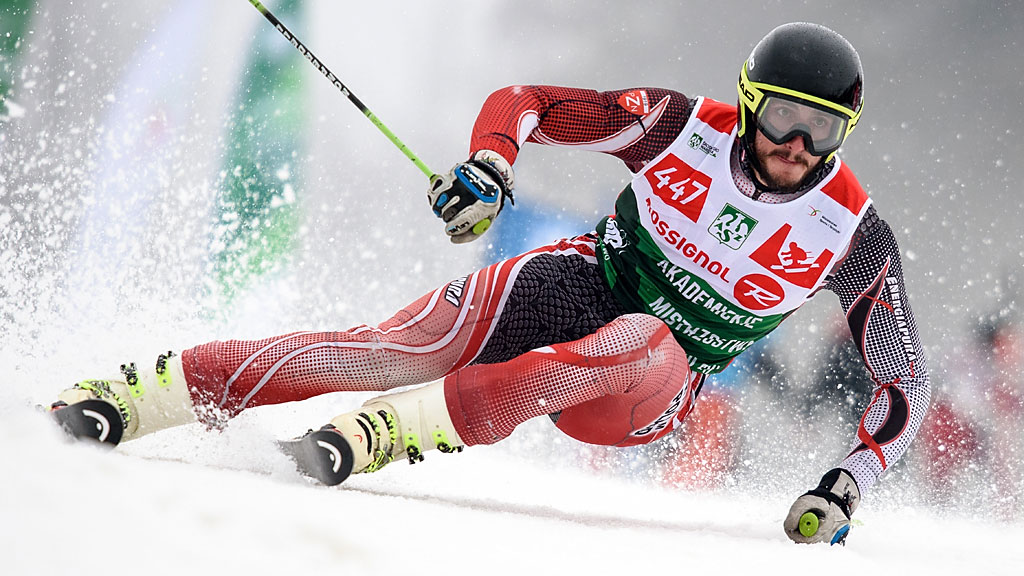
344	89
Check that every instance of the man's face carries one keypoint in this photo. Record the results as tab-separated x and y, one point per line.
786	165
783	166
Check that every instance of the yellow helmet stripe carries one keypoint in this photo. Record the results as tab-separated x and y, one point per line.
753	92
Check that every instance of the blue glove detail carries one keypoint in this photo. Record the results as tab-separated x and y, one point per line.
485	190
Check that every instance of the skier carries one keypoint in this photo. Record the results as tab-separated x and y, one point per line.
610	334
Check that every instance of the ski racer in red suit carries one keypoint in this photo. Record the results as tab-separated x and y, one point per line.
736	216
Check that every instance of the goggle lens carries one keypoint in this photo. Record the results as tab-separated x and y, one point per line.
780	119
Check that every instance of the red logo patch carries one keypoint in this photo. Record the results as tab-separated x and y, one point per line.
758	292
635	102
679	185
791	262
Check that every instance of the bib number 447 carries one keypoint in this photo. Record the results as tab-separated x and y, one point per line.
679	185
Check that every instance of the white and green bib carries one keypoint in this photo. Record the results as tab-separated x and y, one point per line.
720	269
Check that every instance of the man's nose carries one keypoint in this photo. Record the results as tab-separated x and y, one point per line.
796	143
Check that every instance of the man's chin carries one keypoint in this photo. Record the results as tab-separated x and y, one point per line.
786	177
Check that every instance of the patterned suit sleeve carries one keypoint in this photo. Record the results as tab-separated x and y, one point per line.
871	290
634	125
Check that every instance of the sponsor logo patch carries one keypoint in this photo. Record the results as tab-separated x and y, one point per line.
613	235
823	219
635	102
697	143
758	292
732	227
453	293
790	261
665	419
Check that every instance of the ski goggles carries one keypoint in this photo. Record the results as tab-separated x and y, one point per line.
782	114
780	119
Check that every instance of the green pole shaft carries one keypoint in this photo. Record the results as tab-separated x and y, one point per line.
344	89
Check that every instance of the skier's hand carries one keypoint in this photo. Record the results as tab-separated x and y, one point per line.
831	504
470	196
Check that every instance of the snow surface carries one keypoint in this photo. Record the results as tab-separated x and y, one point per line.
227	503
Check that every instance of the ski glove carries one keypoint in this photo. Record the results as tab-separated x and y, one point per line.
470	196
823	514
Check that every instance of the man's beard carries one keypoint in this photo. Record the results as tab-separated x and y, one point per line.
781	186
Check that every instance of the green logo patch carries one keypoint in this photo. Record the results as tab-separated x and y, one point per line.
732	227
697	143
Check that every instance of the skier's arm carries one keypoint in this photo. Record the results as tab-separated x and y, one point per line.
634	125
871	290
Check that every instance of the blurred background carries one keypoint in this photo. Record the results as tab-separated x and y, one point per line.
174	173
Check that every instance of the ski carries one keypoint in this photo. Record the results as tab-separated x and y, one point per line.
323	455
93	419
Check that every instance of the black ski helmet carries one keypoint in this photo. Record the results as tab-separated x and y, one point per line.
806	65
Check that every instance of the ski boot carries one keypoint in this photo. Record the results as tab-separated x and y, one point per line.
406	424
138	402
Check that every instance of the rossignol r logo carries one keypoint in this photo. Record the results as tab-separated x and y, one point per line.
758	292
732	227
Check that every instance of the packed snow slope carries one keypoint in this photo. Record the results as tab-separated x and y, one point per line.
190	501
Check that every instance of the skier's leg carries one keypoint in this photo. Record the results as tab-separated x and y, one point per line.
217	380
435	335
628	383
421	342
442	331
558	296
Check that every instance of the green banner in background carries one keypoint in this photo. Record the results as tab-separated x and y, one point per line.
258	214
14	17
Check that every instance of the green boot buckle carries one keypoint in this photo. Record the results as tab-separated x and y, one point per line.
101	388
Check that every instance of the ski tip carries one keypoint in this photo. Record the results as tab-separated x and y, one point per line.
323	455
91	419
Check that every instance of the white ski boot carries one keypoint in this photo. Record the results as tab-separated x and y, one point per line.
147	400
406	423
